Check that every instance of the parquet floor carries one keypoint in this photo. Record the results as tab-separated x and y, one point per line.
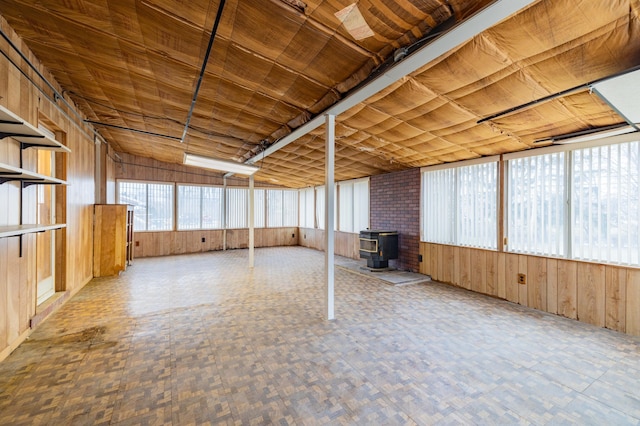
202	339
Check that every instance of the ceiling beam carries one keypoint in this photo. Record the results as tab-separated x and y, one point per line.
458	35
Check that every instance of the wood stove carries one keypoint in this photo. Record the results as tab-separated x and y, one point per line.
378	247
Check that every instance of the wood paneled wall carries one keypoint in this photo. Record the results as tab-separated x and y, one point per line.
73	203
603	295
147	244
346	243
132	167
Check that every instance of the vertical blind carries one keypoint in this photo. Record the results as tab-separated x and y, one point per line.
477	205
438	206
237	208
307	212
536	205
605	204
200	207
460	205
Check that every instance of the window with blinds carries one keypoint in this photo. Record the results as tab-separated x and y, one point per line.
320	207
605	204
200	207
536	205
259	213
152	204
307	206
460	205
353	205
237	208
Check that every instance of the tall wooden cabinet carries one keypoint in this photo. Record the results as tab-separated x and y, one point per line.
112	238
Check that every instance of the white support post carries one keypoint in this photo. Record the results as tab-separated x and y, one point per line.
329	220
224	214
251	222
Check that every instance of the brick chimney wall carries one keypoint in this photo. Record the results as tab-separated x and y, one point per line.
395	206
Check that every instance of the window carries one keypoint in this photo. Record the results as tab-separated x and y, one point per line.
307	206
605	204
237	208
438	206
536	205
152	204
290	205
282	208
259	208
460	204
275	208
200	207
320	207
354	205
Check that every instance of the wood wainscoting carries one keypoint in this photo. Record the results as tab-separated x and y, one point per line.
603	295
148	244
346	243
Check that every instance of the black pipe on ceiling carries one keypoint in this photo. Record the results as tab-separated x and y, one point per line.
129	129
204	66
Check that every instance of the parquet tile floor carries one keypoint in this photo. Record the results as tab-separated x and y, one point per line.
203	339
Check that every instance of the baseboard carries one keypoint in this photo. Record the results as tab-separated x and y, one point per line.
14	345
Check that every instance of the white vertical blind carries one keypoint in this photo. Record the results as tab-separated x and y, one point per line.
307	208
536	205
605	204
189	207
275	208
290	208
320	207
345	201
353	205
237	208
360	205
438	206
259	200
477	205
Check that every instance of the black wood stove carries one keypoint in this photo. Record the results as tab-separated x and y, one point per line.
378	247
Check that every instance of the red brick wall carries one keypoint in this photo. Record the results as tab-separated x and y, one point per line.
395	206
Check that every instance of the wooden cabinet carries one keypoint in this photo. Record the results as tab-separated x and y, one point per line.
111	245
129	235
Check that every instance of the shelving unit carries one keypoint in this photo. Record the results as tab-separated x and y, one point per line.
12	126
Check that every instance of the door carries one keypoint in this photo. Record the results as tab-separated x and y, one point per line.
45	241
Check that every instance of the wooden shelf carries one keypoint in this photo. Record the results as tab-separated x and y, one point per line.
10	173
17	230
29	136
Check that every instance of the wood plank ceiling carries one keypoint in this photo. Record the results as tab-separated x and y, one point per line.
275	64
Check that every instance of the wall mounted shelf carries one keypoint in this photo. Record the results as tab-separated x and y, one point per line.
29	136
18	230
10	173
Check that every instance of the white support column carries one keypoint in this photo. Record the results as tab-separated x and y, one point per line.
224	214
251	222
329	220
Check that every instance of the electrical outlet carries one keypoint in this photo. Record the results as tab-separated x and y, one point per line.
522	279
293	235
137	243
203	239
419	258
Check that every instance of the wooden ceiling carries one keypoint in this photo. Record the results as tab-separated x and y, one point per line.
132	66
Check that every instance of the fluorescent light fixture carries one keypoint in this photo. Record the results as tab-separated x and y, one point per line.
594	135
622	93
220	165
